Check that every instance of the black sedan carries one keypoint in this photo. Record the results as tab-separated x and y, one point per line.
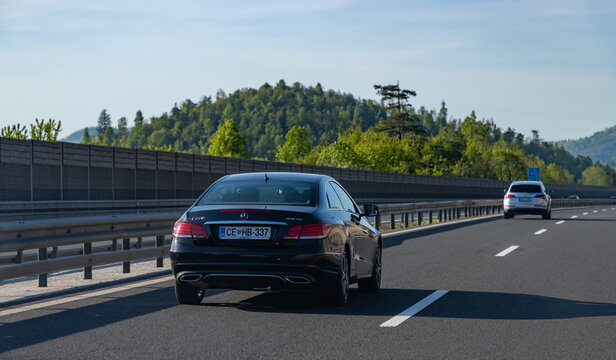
274	232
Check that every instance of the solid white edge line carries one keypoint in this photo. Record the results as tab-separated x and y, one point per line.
507	250
560	222
541	231
44	304
574	216
406	314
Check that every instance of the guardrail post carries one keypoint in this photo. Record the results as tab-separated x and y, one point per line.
139	243
114	245
20	257
160	242
419	218
412	218
42	278
392	220
126	264
440	216
430	216
87	271
406	220
54	252
377	222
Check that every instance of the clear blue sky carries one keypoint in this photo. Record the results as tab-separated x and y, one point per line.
545	65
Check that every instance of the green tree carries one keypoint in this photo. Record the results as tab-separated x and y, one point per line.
85	138
296	146
401	119
109	137
441	118
45	130
554	174
595	175
104	121
14	132
228	141
123	131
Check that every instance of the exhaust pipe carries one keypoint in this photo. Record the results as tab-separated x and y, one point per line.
190	277
300	280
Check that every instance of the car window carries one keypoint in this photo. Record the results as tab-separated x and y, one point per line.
525	189
332	198
347	203
261	193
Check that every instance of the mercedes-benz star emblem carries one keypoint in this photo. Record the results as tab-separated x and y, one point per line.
244	216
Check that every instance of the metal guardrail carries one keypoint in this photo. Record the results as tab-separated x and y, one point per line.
459	209
20	236
40	236
23	210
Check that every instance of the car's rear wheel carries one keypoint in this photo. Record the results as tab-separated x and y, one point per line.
547	215
508	215
338	294
373	283
187	294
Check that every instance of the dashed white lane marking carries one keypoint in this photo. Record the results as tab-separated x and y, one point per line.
574	216
44	304
585	213
560	222
613	209
406	314
594	211
604	210
507	250
541	231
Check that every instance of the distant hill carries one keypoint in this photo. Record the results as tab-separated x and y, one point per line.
601	146
77	135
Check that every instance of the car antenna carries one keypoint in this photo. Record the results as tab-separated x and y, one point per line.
266	178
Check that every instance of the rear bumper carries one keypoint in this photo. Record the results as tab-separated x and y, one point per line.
252	276
306	265
526	210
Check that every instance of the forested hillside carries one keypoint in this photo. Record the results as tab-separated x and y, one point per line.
311	125
264	116
601	146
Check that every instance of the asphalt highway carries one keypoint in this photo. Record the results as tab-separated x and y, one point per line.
549	294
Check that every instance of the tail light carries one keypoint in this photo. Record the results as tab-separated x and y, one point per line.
307	232
509	196
189	230
540	196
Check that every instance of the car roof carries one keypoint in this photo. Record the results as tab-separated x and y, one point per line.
277	176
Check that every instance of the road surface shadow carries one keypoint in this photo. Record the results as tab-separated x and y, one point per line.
69	321
454	304
397	239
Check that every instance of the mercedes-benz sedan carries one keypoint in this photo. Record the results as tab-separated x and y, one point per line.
527	197
272	232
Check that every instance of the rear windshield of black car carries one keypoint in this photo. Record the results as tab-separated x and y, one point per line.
525	189
261	193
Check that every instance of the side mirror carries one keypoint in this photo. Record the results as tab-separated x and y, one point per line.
371	210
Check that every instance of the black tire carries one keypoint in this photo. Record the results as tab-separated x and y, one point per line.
373	283
338	294
508	216
187	294
547	215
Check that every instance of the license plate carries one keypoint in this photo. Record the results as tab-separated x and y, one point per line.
244	232
525	199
